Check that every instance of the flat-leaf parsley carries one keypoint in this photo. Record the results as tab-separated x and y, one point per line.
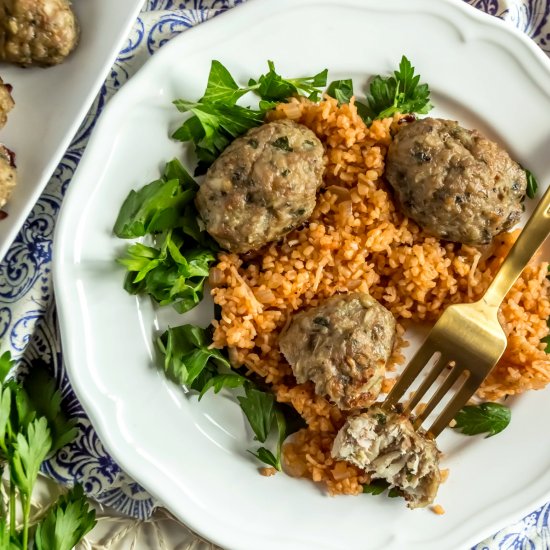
489	418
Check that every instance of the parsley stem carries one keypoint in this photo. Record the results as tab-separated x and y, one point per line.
26	504
12	508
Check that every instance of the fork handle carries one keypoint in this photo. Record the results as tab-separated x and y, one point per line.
528	242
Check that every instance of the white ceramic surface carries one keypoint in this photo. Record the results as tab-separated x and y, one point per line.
191	455
51	103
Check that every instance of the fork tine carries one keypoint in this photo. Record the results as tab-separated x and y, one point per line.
417	363
426	384
447	384
461	397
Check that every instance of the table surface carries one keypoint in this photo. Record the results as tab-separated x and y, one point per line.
28	323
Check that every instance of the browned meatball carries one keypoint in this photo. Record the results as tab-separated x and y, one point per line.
7	174
262	186
386	446
342	346
6	102
37	32
456	184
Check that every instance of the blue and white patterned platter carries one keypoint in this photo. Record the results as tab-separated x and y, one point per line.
191	456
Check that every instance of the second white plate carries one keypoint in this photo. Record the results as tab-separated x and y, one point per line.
51	103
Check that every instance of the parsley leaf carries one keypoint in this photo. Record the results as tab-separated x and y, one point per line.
30	451
266	456
258	408
490	418
263	454
158	206
400	93
223	381
32	425
273	87
213	126
532	184
341	90
216	119
6	365
22	412
4	534
376	487
190	361
221	87
66	522
40	388
173	274
186	354
5	410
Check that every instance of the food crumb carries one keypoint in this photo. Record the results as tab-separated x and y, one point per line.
267	472
438	509
452	423
444	475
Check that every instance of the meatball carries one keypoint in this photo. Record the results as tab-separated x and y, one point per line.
262	186
7	174
6	102
37	32
342	346
386	446
456	184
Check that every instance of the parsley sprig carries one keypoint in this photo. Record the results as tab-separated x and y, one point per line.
173	269
216	119
378	487
400	93
341	90
489	418
273	87
32	427
532	184
66	522
189	360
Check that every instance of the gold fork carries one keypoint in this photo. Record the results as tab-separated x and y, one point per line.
468	337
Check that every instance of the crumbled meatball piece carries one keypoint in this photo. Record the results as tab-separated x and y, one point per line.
262	186
386	446
342	346
37	32
455	183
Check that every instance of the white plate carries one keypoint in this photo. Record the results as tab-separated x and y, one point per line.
191	455
51	103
